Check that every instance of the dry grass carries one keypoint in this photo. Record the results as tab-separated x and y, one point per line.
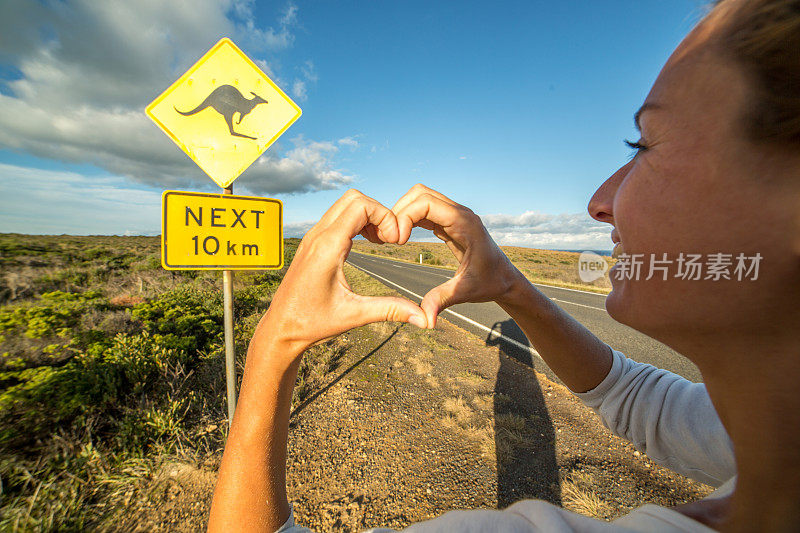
480	434
450	422
403	342
458	408
421	367
383	329
365	284
504	451
482	401
501	401
510	421
582	479
470	378
578	495
511	434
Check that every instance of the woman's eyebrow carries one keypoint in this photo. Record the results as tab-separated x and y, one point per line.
646	106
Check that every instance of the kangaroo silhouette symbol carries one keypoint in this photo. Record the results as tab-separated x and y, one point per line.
227	101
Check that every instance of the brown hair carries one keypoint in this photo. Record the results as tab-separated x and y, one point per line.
763	36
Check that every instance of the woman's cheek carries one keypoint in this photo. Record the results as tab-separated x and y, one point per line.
642	219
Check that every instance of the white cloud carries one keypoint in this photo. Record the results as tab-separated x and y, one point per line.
375	148
78	204
270	38
350	142
309	72
297	229
308	76
75	204
306	167
264	66
299	90
542	230
89	68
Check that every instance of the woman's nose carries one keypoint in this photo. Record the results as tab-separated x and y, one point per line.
602	202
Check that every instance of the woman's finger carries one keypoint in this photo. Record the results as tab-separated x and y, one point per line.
370	232
341	205
414	192
370	309
440	298
362	211
426	207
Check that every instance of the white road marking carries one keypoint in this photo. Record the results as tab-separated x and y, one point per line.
410	266
580	305
478	325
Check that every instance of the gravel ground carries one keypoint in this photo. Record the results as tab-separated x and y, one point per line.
411	424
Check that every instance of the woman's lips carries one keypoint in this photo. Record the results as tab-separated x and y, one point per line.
617	244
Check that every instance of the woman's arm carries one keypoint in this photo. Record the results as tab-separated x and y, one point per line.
574	353
313	303
251	490
485	274
668	417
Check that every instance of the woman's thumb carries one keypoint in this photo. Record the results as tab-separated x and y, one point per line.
438	299
392	309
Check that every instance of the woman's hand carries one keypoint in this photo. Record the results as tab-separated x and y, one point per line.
484	274
314	301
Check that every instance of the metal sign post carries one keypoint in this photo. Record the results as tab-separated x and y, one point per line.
230	346
224	112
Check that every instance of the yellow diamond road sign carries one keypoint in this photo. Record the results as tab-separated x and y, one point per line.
224	112
220	231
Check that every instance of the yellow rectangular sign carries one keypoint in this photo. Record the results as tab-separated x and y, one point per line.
202	231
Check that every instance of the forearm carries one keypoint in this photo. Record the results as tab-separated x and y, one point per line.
251	489
574	353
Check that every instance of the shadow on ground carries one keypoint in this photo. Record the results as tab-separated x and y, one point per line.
339	377
526	467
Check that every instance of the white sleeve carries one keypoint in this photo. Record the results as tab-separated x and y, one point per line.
290	526
535	516
667	417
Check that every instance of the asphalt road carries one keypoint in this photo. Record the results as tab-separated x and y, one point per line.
489	321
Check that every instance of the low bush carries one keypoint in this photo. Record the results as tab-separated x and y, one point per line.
118	368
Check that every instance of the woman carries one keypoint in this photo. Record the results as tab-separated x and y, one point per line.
717	170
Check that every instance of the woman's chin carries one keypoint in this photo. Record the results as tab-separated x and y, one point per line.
635	304
615	301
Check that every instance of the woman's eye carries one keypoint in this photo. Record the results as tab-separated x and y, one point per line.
637	146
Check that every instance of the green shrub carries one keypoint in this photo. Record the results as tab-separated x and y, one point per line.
54	314
150	263
45	398
154	424
185	318
80	430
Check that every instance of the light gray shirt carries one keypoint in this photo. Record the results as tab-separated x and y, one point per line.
667	417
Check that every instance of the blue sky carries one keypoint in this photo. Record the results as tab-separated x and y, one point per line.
515	109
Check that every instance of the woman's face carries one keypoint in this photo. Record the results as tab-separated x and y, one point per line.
700	186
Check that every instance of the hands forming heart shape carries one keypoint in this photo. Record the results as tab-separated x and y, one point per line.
314	301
